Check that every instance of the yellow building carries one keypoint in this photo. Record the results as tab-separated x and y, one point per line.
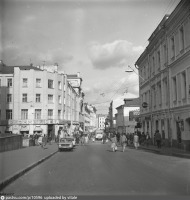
164	69
35	99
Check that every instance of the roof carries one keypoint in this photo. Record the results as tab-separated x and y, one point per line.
119	107
10	69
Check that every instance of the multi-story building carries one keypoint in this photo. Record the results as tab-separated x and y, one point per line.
165	71
36	100
123	124
101	121
90	117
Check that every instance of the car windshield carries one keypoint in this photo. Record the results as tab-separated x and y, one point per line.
66	140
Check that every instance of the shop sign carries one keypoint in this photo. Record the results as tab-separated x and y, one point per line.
51	121
144	104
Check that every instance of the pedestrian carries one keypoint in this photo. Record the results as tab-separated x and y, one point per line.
158	139
86	138
43	141
118	136
147	139
82	139
114	143
136	141
123	141
104	138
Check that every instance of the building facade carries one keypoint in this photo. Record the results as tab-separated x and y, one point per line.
36	100
165	70
123	123
89	117
101	121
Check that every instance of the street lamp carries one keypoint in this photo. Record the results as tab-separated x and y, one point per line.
132	70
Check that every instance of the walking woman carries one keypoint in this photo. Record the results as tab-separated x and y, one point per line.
123	141
114	142
136	141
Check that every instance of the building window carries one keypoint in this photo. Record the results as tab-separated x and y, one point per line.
159	60
9	82
183	85
24	82
38	113
165	55
174	89
9	114
9	98
160	94
24	97
59	114
59	99
38	98
50	114
38	83
24	114
181	38
172	47
50	84
153	65
59	85
50	98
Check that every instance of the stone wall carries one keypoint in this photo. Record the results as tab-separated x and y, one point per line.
10	142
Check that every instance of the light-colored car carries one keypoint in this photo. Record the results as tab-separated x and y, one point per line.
99	136
65	143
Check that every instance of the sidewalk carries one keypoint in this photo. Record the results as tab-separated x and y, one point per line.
14	164
171	151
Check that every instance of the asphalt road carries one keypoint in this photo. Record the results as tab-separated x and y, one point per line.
95	170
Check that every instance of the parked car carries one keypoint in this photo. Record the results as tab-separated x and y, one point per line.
65	143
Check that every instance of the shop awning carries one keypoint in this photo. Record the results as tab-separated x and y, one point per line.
38	128
24	128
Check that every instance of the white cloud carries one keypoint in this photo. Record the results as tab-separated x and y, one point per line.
113	54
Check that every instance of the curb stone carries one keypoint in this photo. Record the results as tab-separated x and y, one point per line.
167	153
12	178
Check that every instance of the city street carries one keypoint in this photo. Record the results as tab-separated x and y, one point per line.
95	170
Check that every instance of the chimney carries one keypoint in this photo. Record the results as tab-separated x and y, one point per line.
78	74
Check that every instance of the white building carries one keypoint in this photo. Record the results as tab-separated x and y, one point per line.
101	121
36	99
123	124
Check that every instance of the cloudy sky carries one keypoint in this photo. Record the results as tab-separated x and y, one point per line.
98	38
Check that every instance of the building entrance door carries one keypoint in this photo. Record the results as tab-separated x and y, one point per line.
178	132
51	131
